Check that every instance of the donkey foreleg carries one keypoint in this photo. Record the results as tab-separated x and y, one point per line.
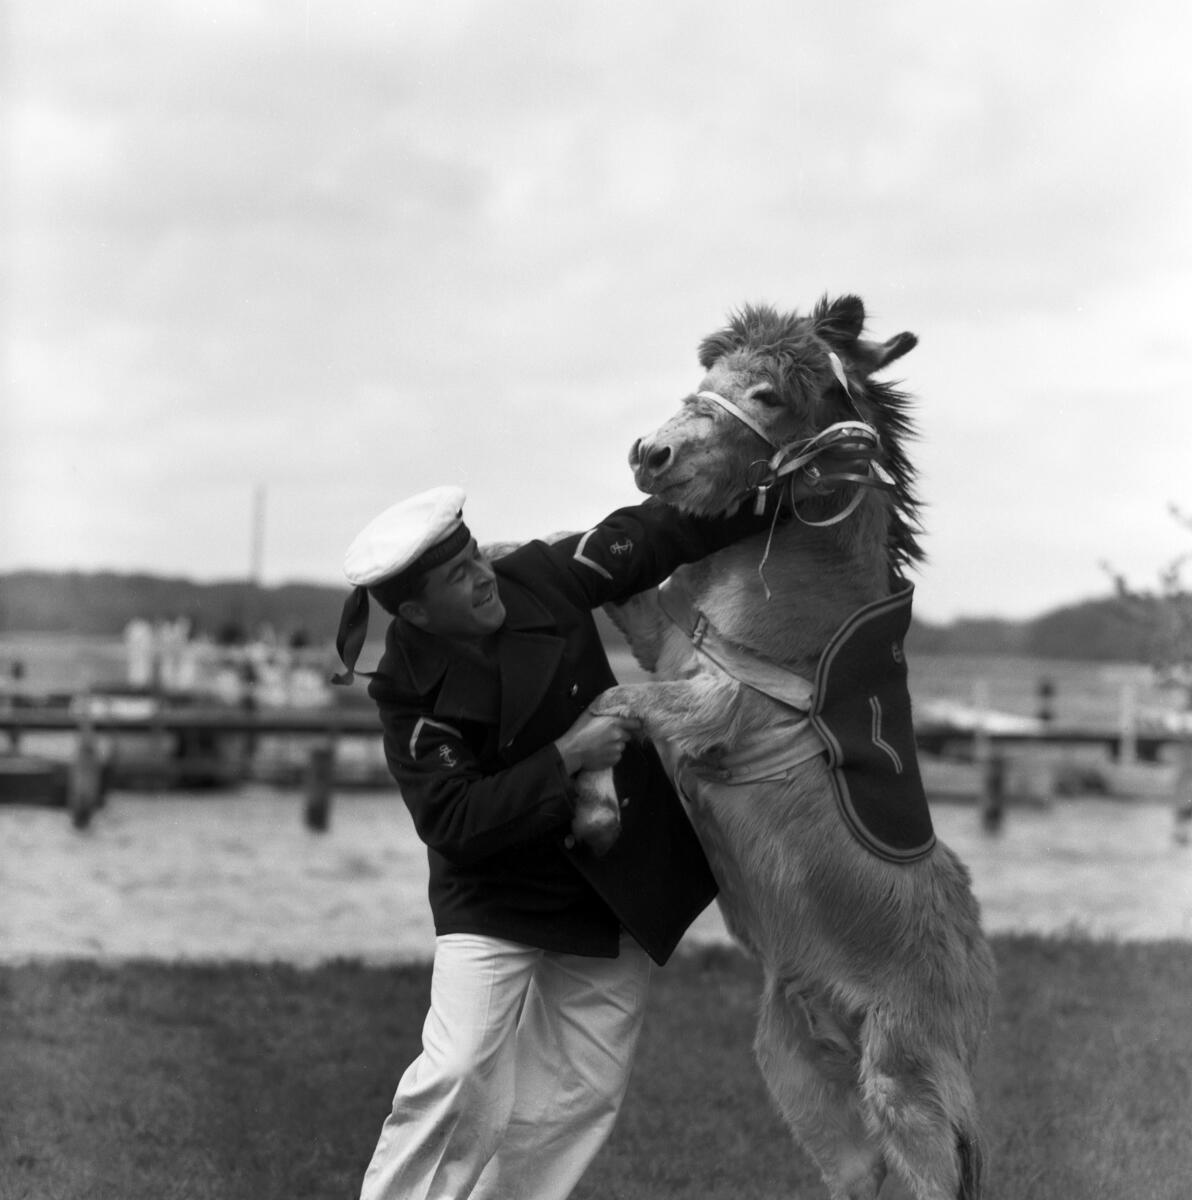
597	818
697	713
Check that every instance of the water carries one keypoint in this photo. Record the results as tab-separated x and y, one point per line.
238	875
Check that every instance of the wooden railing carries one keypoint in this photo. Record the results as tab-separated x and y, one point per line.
86	780
328	721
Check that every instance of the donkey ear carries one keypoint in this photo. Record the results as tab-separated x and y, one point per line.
876	355
840	321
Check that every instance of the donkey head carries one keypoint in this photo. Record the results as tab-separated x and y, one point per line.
788	377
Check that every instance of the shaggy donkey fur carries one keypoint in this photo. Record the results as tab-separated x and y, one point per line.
877	976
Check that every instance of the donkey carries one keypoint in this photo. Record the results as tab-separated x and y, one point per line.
776	706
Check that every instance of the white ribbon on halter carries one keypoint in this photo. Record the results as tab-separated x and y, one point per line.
838	371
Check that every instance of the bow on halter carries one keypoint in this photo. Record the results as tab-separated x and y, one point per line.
827	459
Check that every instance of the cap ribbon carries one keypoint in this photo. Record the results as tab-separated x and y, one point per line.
353	628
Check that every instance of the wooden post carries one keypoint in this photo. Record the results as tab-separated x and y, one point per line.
993	808
87	773
1183	790
981	743
320	772
1128	727
12	700
1045	691
991	766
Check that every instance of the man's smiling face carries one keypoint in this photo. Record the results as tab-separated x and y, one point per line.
459	598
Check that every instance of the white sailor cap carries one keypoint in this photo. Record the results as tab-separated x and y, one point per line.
423	531
415	534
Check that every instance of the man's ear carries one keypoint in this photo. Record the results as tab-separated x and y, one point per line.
412	611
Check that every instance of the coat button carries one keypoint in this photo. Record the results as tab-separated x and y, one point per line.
625	802
575	689
569	842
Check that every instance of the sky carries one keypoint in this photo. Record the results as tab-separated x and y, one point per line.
269	267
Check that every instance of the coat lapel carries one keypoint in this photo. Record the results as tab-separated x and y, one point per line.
422	664
530	654
528	664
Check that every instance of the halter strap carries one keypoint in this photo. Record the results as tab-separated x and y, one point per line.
858	436
740	414
843	435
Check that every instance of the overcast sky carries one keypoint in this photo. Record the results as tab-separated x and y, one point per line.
339	252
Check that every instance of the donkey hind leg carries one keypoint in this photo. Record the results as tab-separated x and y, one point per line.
922	1104
810	1064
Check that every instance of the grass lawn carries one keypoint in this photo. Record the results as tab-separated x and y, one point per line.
236	1082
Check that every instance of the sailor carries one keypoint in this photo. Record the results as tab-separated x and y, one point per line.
543	948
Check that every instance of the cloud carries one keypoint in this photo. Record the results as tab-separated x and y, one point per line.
349	250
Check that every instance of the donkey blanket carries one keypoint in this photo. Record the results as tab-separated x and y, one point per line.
857	712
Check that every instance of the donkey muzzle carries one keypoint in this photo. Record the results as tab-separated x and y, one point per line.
649	460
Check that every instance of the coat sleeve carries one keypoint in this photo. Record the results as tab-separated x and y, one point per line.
636	548
461	811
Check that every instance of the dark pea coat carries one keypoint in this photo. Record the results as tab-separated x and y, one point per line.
471	745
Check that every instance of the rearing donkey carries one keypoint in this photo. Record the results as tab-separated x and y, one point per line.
781	710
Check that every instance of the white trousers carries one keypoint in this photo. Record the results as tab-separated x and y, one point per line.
525	1060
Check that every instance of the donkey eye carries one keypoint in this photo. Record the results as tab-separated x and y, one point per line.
767	396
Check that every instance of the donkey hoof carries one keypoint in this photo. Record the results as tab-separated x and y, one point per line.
597	830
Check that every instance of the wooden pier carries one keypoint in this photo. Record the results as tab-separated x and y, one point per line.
215	719
198	733
1142	744
198	730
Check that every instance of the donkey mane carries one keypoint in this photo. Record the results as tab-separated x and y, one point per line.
790	351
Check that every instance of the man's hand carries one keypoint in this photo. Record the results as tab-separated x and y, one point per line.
593	742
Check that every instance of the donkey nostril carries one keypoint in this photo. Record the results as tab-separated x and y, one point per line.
646	456
658	458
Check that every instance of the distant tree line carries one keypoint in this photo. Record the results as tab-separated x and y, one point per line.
1166	611
103	603
1101	630
1108	629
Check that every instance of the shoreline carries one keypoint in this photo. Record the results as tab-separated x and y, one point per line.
240	877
